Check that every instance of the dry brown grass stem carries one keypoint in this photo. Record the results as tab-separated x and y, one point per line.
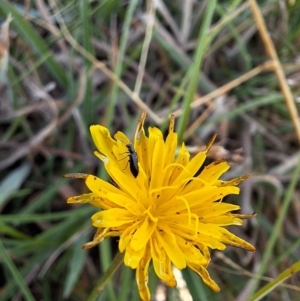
224	89
271	52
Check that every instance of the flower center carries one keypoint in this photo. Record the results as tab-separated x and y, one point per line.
150	215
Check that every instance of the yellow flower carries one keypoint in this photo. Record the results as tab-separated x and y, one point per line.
163	207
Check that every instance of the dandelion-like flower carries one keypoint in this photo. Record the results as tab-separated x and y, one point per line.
163	207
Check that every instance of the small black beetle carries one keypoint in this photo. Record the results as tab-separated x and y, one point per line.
133	160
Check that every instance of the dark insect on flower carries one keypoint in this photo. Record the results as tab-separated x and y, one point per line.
133	160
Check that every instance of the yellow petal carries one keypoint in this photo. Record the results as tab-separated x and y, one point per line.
142	150
196	199
103	141
142	276
122	137
209	195
92	199
141	237
83	198
126	236
168	241
191	253
203	248
170	148
213	171
157	166
132	258
128	185
112	218
217	209
162	263
190	169
203	273
222	220
98	237
190	234
125	202
232	182
232	240
154	135
100	187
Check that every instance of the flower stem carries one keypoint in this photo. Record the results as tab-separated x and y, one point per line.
101	284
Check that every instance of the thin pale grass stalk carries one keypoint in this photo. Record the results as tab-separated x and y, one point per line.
48	23
38	138
148	36
168	17
264	131
18	278
101	283
245	26
179	93
186	21
289	272
66	244
101	66
119	61
85	17
48	129
287	254
4	49
28	33
29	109
227	87
240	43
276	230
271	52
229	17
284	167
238	270
200	120
78	100
24	76
195	68
231	13
178	53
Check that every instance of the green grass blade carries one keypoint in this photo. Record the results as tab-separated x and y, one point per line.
277	281
52	216
276	229
195	68
120	60
76	264
99	287
17	277
13	182
259	102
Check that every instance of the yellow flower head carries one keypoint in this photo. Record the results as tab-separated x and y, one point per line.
163	207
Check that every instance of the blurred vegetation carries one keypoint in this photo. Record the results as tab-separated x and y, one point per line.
65	65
